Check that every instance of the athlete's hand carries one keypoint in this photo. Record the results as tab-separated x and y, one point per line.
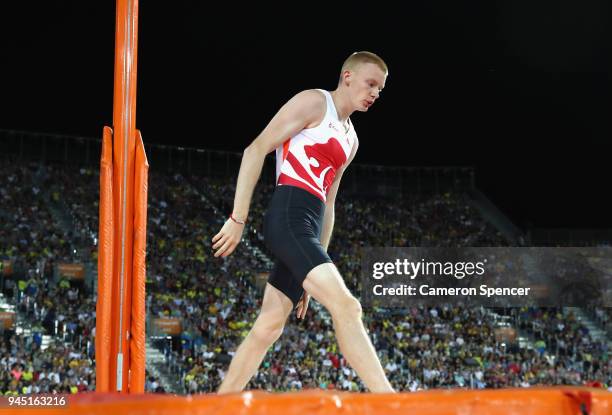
228	238
302	305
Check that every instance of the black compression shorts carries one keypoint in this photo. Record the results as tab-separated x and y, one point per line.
292	231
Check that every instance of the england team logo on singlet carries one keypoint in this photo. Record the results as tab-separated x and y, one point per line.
323	161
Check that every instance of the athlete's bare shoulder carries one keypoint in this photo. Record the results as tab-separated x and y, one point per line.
312	102
312	96
305	109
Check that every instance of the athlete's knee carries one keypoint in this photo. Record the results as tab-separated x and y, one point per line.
347	307
266	331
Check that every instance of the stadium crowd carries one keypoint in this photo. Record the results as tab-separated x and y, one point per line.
217	300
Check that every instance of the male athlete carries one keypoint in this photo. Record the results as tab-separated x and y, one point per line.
314	141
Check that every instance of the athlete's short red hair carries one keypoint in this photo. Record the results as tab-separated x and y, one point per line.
357	58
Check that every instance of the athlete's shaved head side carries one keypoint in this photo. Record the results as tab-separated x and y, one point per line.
357	58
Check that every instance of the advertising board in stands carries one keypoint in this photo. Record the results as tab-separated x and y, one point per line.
6	267
7	319
171	326
505	335
72	271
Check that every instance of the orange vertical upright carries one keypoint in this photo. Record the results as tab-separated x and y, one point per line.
116	353
138	341
124	125
105	264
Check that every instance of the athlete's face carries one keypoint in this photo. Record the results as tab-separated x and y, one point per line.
365	83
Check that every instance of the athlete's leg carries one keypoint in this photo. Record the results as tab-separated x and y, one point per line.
324	283
267	329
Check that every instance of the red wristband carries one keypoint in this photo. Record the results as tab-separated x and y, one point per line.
240	222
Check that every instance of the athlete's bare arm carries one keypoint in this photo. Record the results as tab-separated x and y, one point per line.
304	110
328	224
329	217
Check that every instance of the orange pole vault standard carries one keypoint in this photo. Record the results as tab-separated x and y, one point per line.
115	363
105	264
138	341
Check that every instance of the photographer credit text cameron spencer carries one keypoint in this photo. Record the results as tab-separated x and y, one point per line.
457	270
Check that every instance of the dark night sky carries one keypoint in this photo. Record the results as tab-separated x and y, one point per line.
520	90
